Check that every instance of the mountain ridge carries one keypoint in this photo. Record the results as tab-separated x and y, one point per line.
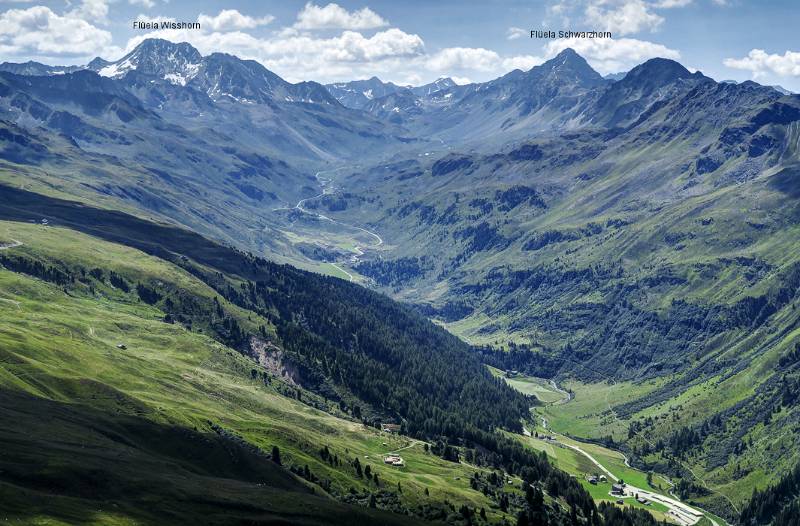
638	233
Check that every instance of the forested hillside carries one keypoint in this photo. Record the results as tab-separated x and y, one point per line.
777	505
231	362
653	244
633	239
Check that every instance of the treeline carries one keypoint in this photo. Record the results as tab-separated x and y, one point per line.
394	272
180	306
778	505
35	268
385	353
614	516
394	359
790	358
336	333
526	359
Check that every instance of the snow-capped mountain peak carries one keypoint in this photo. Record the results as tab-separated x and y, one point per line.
176	63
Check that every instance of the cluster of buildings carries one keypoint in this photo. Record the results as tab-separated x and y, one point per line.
619	491
594	479
394	460
390	428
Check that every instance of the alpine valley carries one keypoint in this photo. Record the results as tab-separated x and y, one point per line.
553	298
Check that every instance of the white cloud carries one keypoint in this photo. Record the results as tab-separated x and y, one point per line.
231	20
294	53
147	4
559	10
91	11
461	80
622	17
462	58
523	62
305	57
38	32
761	63
669	4
334	16
391	54
514	33
610	55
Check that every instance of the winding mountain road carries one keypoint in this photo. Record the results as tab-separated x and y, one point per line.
328	189
682	513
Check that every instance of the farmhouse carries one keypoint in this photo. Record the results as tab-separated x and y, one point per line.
592	480
618	489
394	460
390	428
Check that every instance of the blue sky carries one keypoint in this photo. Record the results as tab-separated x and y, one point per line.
419	41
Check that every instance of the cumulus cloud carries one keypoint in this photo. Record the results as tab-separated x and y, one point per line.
622	17
523	62
761	63
464	58
514	33
296	53
669	4
230	20
469	60
302	56
334	16
147	4
391	54
91	10
610	55
39	32
461	80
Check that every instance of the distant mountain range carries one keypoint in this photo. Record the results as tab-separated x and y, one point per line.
213	143
638	230
641	230
359	94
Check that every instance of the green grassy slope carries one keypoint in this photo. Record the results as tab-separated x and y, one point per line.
623	256
89	430
746	447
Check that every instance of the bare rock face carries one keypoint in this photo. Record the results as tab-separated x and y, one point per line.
271	357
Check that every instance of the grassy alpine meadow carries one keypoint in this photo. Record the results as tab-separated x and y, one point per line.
589	414
71	356
602	410
531	385
581	468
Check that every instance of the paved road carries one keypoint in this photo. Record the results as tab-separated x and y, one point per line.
327	189
337	267
682	513
642	435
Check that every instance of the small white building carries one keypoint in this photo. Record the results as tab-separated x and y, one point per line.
394	460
